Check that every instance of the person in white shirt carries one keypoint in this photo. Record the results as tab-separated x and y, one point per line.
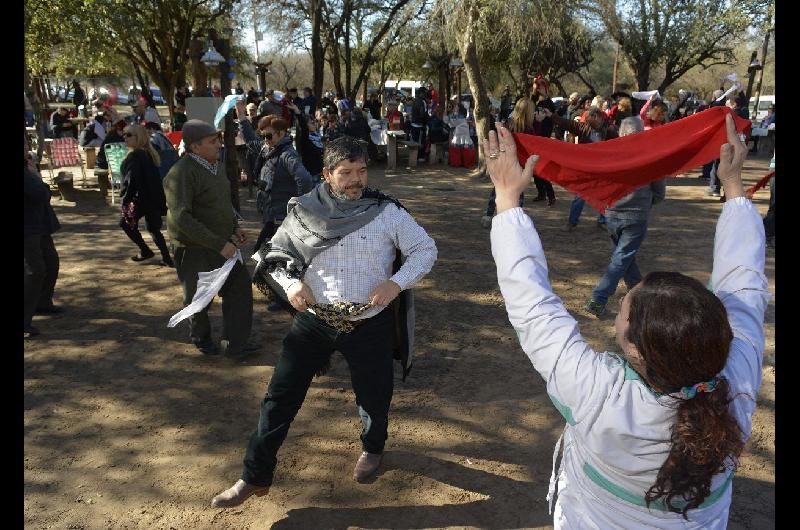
343	254
653	433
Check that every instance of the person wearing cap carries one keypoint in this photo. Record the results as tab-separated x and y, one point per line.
202	225
142	113
270	105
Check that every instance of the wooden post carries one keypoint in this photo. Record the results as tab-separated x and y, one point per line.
391	151
616	67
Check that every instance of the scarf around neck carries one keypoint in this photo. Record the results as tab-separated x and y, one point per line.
316	221
604	172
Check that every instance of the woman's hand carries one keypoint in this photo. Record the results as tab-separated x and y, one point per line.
731	160
509	178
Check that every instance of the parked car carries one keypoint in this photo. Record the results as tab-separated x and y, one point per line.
764	103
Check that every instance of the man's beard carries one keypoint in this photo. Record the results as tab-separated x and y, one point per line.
342	195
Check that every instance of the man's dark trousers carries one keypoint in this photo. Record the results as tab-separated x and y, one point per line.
41	273
307	347
237	296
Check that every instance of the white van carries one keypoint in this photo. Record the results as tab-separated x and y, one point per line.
764	103
409	88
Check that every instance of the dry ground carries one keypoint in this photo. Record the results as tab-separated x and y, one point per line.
128	426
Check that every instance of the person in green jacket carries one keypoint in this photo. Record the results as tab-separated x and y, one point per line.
202	225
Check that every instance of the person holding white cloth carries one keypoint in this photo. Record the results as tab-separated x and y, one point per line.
653	433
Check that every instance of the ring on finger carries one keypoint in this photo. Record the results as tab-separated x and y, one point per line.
493	156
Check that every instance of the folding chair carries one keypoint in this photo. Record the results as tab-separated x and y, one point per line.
64	152
115	154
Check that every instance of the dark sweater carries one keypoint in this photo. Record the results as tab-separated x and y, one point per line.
200	213
39	217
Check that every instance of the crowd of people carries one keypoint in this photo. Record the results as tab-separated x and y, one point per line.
343	258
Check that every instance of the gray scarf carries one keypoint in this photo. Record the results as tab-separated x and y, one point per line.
316	221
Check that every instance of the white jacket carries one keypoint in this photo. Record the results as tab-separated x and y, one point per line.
618	429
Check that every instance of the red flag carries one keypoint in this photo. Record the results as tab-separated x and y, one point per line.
604	172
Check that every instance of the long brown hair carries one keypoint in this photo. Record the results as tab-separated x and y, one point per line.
682	333
521	119
142	141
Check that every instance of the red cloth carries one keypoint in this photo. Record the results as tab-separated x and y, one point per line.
761	183
604	172
175	137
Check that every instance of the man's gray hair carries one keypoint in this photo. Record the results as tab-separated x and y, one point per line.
630	125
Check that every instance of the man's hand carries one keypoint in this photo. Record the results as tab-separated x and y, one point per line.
300	296
241	109
240	236
731	160
228	251
509	178
384	293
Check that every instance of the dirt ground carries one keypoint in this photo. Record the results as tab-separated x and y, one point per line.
128	426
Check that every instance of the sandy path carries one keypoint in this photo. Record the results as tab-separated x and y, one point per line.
127	426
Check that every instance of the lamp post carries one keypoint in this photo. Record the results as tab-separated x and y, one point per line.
221	58
754	67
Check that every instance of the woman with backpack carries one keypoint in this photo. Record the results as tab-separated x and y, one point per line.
653	432
143	194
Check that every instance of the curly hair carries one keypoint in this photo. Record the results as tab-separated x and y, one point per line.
681	330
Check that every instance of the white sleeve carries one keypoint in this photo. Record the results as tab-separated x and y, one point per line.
416	246
578	379
738	280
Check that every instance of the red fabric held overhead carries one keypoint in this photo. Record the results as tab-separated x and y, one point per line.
604	172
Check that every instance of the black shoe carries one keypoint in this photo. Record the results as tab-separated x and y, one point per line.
539	198
241	353
49	310
143	256
551	202
167	262
207	348
31	331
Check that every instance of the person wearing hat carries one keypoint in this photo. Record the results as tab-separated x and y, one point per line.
202	225
142	113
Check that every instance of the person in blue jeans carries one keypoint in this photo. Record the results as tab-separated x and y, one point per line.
626	224
575	210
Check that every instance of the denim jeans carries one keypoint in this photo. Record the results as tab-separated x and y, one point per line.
491	206
626	236
307	347
575	209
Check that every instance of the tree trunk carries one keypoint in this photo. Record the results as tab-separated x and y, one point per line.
760	75
317	53
196	48
348	54
469	52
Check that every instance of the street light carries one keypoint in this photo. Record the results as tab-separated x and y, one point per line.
212	57
427	66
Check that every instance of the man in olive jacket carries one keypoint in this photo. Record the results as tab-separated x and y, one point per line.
202	225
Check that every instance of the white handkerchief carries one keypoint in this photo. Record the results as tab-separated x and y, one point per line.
208	285
644	95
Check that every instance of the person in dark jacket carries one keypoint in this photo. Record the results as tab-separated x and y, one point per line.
78	96
143	194
308	101
41	257
541	98
279	171
308	143
419	120
61	125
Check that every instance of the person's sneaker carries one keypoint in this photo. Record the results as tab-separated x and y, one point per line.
596	308
486	221
538	198
30	331
366	465
237	494
143	256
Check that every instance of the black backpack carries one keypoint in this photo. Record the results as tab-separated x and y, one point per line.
87	134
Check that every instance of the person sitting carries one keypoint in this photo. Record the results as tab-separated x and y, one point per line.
114	135
394	117
653	433
61	125
95	131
